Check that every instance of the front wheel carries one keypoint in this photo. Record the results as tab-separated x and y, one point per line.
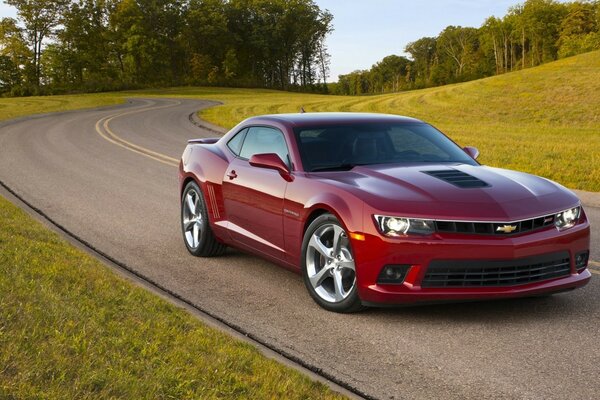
328	266
197	234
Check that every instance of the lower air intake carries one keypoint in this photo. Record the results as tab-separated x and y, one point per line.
473	273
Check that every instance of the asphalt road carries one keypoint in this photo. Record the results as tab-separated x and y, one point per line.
126	204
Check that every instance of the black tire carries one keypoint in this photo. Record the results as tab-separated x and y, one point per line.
206	244
349	304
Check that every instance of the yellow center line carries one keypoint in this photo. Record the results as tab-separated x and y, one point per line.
112	137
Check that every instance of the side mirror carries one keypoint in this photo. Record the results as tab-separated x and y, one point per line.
271	161
472	152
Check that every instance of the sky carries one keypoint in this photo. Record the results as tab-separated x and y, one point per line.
365	31
6	10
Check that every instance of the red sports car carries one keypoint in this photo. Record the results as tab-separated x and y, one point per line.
380	209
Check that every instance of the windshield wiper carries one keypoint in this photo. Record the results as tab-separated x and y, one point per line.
341	167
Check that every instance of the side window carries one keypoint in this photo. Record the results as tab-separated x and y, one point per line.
260	140
235	143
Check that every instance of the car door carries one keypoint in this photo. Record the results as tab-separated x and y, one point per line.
253	197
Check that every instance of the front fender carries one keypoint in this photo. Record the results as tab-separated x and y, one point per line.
304	198
348	210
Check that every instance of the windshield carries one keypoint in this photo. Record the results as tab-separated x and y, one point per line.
342	147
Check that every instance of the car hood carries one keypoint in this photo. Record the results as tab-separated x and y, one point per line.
413	192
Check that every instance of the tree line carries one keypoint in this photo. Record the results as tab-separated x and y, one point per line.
530	34
59	46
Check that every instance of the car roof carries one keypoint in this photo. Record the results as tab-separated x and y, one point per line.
331	118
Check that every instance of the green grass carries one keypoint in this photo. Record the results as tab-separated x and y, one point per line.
70	328
14	107
544	120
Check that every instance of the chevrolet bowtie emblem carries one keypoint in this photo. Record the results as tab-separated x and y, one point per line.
506	228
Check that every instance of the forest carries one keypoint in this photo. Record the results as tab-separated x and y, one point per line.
530	34
70	46
59	46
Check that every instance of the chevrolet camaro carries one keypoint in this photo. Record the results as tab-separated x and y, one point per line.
379	210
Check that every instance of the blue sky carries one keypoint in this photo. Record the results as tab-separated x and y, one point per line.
7	11
368	30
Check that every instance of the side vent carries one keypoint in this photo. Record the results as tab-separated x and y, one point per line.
213	201
457	178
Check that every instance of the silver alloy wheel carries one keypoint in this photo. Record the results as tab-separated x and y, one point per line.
329	263
192	218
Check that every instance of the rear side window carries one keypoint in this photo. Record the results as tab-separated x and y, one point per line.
235	143
260	140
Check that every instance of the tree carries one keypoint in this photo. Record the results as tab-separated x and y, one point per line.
424	55
40	17
313	59
279	43
579	29
323	57
458	45
495	36
540	22
390	74
9	74
14	55
148	37
111	44
207	40
83	53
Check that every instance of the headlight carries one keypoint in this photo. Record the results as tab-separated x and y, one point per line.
398	226
567	219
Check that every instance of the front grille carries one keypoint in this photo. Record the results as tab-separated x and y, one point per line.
457	178
473	273
495	228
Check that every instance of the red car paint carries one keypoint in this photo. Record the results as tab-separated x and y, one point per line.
264	212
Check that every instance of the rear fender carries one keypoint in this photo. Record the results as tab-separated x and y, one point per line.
206	166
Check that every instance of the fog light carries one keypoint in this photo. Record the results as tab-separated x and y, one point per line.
393	274
581	261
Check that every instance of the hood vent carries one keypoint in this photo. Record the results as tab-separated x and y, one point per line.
457	178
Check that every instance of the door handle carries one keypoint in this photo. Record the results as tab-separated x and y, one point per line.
232	175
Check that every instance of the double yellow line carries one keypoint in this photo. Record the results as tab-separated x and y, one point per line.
103	129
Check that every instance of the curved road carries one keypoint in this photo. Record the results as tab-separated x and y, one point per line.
109	176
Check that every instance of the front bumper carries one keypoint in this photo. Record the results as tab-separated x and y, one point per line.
373	253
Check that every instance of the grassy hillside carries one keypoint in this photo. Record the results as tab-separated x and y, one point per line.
544	120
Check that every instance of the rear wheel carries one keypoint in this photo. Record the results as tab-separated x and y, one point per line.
197	234
328	266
